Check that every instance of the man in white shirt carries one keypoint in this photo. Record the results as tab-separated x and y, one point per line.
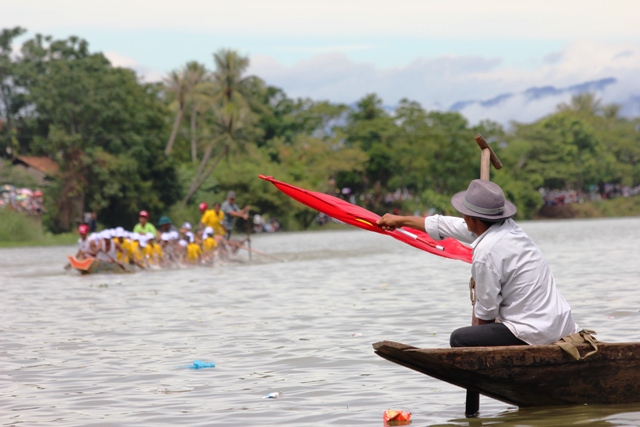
517	299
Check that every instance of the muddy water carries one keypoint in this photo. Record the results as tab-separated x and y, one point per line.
114	350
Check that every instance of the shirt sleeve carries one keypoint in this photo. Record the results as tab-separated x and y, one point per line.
440	227
206	218
488	291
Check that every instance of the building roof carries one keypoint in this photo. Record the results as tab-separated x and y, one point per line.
43	164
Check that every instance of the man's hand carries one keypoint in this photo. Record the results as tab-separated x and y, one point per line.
390	222
245	212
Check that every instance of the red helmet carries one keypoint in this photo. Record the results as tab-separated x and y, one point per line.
144	214
83	229
203	206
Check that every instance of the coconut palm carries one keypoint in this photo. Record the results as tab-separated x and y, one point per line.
233	102
176	86
197	78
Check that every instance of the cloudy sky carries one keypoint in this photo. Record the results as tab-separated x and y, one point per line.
437	52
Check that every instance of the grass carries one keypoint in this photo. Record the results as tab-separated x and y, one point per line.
618	207
20	230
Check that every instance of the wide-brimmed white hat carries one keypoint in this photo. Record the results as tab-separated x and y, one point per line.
483	199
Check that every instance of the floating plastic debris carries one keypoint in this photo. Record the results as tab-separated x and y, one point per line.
396	418
199	364
356	334
169	390
275	395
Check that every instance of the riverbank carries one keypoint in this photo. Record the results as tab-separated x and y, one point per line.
47	239
18	230
612	208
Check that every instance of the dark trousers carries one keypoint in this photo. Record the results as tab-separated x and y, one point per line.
487	335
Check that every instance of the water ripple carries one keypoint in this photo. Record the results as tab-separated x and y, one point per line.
111	350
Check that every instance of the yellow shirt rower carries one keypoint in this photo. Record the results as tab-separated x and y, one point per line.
194	252
213	218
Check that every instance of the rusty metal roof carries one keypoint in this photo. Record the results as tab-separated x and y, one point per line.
43	164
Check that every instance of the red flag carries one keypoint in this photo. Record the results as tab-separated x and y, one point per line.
362	218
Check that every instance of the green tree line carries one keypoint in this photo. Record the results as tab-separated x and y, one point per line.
124	145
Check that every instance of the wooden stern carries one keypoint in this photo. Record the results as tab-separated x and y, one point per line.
529	376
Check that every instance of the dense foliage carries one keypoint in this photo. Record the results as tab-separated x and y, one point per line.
102	126
124	145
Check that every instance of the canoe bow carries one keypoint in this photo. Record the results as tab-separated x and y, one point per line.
526	376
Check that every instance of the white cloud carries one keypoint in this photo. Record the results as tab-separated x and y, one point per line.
321	49
457	19
147	74
439	82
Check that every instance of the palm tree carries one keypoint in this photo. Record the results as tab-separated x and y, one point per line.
197	77
177	86
233	102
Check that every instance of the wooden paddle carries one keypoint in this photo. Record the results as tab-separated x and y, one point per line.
487	158
241	246
248	222
113	260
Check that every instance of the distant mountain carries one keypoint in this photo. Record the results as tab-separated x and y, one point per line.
536	102
537	93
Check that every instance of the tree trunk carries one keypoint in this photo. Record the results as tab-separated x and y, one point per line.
194	139
174	132
203	163
199	179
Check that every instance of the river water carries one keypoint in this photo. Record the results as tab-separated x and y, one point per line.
113	350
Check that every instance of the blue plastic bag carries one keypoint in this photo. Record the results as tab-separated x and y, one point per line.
199	364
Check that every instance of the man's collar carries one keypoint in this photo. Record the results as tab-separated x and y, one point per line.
492	230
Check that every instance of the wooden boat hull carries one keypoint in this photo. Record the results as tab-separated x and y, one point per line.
527	376
95	266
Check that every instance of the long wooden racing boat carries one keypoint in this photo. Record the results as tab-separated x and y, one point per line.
94	265
526	376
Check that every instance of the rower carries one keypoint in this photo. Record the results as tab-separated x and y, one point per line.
152	251
194	250
83	243
123	247
165	225
136	254
144	226
202	207
209	243
107	250
214	218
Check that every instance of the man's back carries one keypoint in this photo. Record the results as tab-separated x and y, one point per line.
515	284
513	281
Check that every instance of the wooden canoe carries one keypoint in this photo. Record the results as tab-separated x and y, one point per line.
94	266
527	376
